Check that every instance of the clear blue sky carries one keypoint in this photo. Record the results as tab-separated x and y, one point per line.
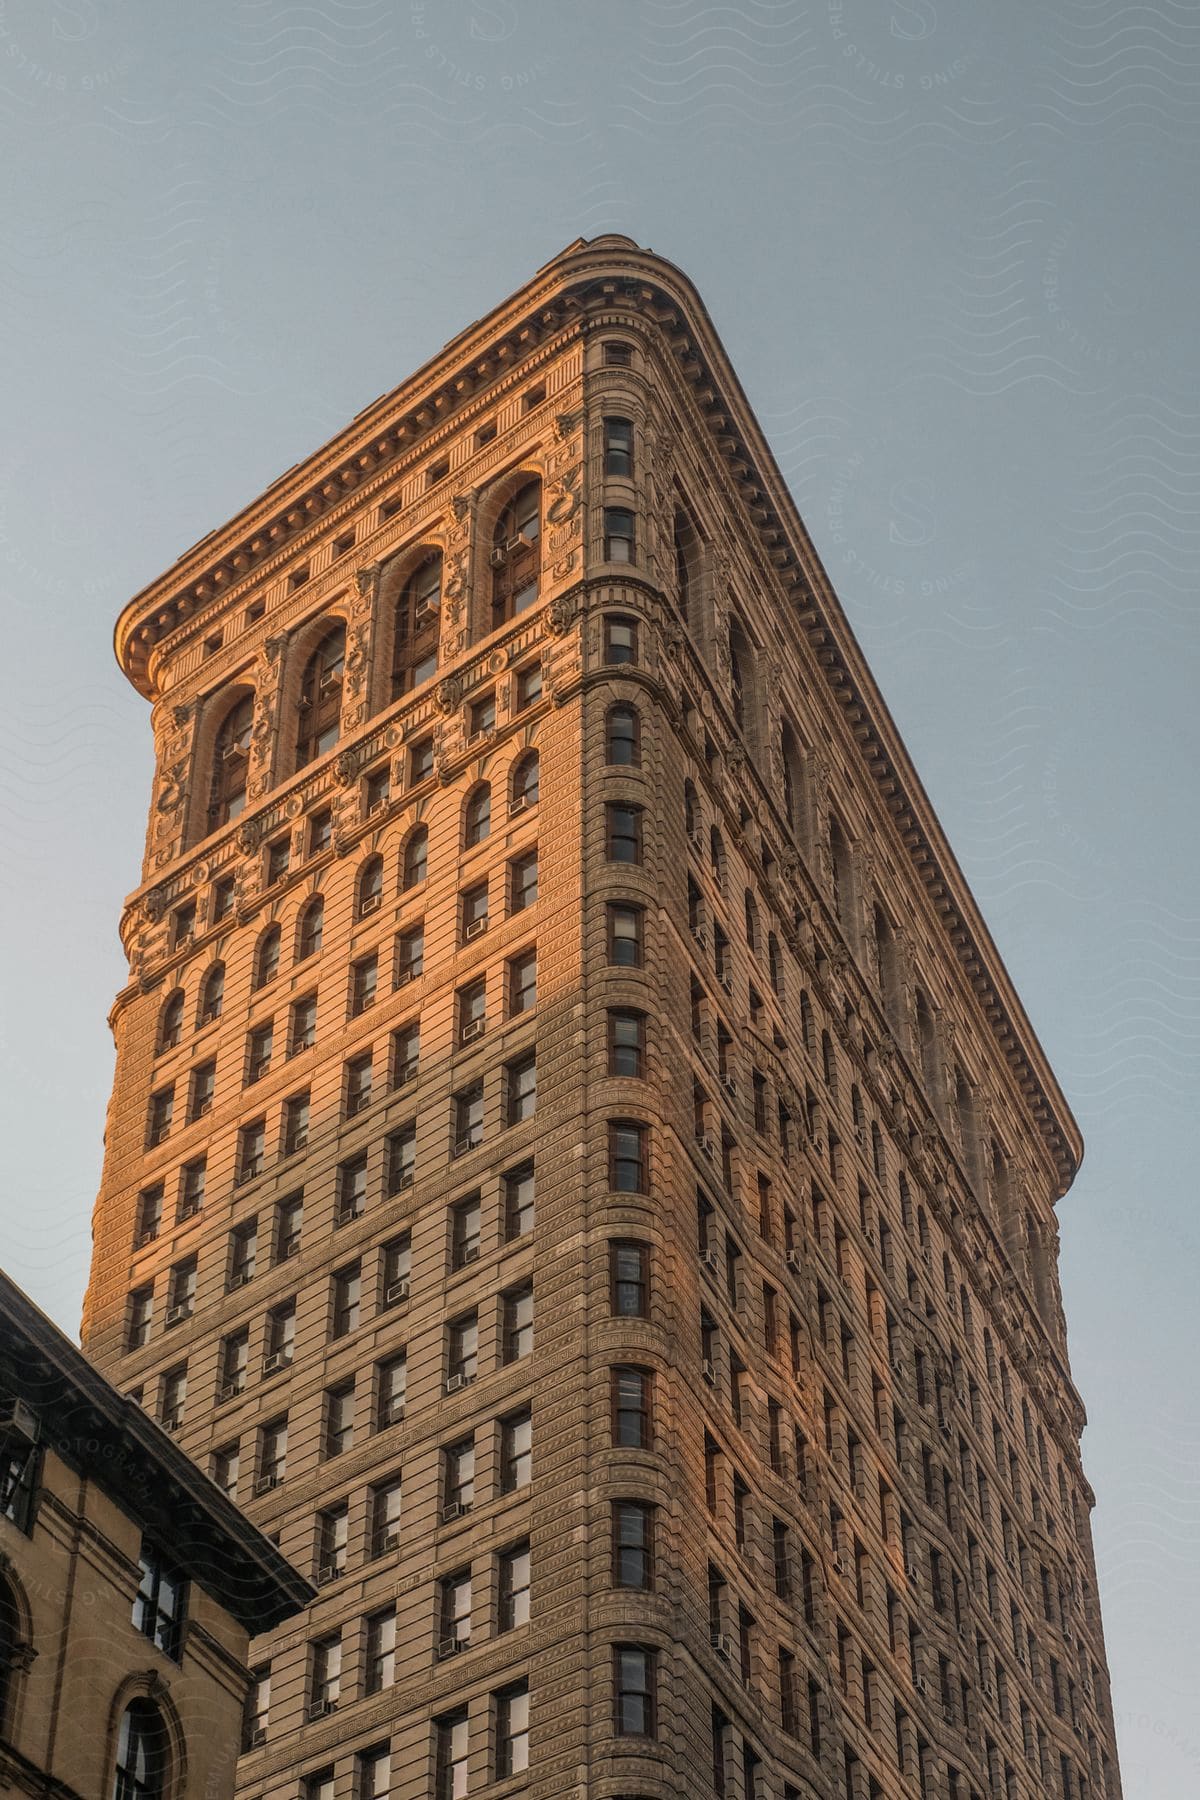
951	250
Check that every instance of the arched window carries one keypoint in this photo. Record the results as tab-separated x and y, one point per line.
319	708
807	1029
310	928
516	554
266	957
525	782
687	558
141	1772
742	677
415	627
691	810
231	763
927	1045
843	875
964	1103
212	994
751	922
416	858
828	1063
858	1116
716	856
477	815
622	737
369	893
774	964
170	1021
794	782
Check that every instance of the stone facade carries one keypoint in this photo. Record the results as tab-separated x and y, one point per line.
794	1146
126	1582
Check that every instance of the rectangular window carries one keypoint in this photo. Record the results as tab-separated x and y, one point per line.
272	1455
626	1043
158	1122
281	1338
289	1216
191	1189
624	935
631	1413
471	1006
458	1477
374	1774
380	1670
410	955
149	1215
520	1089
183	925
481	716
339	1418
529	685
627	1156
518	1202
181	1291
618	535
512	1730
522	983
623	833
452	1764
326	1675
465	1226
235	1355
462	1351
618	447
401	1149
320	832
385	1517
332	1531
243	1254
160	1603
351	1189
141	1311
420	761
633	1683
522	881
173	1398
358	1085
376	790
397	1269
629	1279
473	905
259	1046
633	1544
347	1300
405	1053
391	1391
222	899
620	639
303	1029
516	1451
364	983
201	1087
468	1118
518	1323
514	1587
295	1124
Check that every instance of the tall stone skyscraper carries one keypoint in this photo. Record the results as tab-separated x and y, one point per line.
578	1171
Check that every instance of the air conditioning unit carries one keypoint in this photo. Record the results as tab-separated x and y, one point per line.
1077	1728
407	1073
468	1254
279	1360
709	1372
258	1737
497	556
321	1709
1010	1559
454	1509
392	1413
521	540
473	1030
19	1421
927	1256
475	928
424	612
945	1429
792	1259
406	1179
146	1237
391	1541
913	1573
171	1423
948	1714
726	981
517	806
920	1685
395	1292
290	1245
706	1145
455	1383
451	1646
709	1260
962	1632
377	806
177	1313
1087	1687
347	1214
871	1238
723	1645
463	1145
898	1367
696	840
1019	1654
265	1483
1068	1635
985	1688
368	904
839	1565
328	1571
729	1084
230	1391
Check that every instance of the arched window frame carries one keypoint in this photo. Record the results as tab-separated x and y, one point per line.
525	782
170	1021
266	957
751	920
477	815
212	995
775	965
318	705
142	1764
15	1650
414	859
716	857
368	887
310	927
413	598
514	547
686	545
230	760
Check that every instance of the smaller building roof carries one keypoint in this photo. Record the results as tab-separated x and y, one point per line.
109	1438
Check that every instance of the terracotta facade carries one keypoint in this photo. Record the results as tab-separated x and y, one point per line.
793	1147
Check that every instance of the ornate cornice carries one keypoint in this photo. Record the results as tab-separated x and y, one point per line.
611	280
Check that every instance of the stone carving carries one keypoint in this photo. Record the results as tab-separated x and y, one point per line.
560	615
181	714
462	506
170	792
564	425
249	834
154	905
366	586
448	694
565	504
343	767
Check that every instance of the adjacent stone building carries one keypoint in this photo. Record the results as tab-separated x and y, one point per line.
578	1171
129	1589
